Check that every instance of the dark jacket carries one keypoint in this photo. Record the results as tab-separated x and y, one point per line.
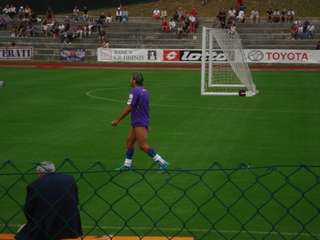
51	209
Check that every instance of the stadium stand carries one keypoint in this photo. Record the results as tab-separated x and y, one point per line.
140	32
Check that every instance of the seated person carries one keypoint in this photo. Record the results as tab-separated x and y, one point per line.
108	18
269	14
283	15
156	14
290	15
172	24
276	16
254	16
222	18
125	15
241	16
51	206
163	13
165	25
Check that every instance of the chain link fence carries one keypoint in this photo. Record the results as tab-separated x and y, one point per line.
246	202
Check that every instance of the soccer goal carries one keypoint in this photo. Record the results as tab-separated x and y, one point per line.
224	69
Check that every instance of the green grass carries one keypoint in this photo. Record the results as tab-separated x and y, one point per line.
53	114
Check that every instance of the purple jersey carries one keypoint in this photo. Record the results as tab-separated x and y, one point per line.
139	101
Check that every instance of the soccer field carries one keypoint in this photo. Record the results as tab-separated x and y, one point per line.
53	114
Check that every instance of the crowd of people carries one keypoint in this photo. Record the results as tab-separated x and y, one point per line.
25	23
276	16
182	22
299	29
234	15
302	30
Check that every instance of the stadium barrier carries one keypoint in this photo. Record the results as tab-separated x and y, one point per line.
256	56
244	202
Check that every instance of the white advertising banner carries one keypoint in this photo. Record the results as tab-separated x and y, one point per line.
195	55
16	53
129	55
295	56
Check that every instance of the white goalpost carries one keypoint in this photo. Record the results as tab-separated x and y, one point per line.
224	69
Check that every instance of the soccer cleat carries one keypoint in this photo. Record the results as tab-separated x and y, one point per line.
123	168
164	166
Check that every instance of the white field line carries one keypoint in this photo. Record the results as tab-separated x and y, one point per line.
91	94
230	231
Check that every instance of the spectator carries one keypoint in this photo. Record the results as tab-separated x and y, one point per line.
165	25
101	20
283	15
254	16
310	30
300	30
290	15
21	11
51	206
108	18
305	25
156	14
180	13
12	11
180	28
119	14
90	27
194	12
6	10
276	16
241	16
186	24
163	13
125	15
61	27
76	13
222	18
172	24
85	11
232	14
318	45
294	31
192	23
269	14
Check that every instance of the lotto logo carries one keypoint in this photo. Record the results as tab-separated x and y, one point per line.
171	55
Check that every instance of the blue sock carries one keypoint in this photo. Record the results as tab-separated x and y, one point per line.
151	152
129	153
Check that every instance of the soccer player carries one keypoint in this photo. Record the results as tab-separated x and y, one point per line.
138	106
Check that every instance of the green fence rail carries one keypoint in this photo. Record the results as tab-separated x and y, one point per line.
245	202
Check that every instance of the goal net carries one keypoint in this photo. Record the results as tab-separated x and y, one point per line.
224	69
